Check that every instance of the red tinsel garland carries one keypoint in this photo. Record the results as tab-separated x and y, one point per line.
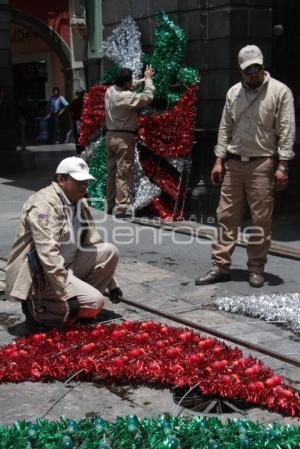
161	209
171	134
93	112
147	351
163	179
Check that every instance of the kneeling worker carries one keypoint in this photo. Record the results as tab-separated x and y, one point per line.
58	266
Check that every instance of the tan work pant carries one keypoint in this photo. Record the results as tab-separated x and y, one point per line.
120	166
245	183
90	274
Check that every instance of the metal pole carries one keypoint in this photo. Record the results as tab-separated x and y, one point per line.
208	330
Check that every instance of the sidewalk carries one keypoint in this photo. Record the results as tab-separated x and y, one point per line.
158	288
161	277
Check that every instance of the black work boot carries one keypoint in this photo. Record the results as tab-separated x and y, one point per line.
213	277
33	325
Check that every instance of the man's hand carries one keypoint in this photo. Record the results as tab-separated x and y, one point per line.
149	72
281	180
217	172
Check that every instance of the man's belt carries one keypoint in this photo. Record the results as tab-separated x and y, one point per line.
123	131
238	157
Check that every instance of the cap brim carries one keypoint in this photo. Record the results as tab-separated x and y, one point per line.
251	62
82	177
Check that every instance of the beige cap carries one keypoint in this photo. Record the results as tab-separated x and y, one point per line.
250	55
76	167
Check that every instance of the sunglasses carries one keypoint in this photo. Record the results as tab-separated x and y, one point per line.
253	70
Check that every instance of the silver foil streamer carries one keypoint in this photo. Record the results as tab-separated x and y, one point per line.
143	191
179	163
282	308
124	47
89	151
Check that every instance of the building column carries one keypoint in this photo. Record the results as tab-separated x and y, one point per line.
93	64
227	27
10	160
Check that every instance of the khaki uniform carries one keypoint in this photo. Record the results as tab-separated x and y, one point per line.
44	225
122	124
257	124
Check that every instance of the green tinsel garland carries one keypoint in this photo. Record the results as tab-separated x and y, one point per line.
163	432
167	59
110	73
96	189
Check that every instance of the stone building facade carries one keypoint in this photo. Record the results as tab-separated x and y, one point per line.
215	31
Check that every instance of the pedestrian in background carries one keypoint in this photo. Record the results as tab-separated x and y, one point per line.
57	105
75	108
121	106
255	143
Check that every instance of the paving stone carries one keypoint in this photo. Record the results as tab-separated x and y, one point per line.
160	289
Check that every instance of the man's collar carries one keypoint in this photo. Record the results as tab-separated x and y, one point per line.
62	194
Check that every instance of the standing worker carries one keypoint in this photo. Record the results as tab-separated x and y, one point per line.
121	105
255	143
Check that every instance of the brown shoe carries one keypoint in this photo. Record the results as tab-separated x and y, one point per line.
256	280
213	277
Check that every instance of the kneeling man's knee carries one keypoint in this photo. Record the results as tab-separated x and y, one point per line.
111	251
98	303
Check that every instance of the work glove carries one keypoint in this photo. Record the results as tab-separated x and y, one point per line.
115	295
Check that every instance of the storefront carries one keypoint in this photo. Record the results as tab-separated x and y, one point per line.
36	69
41	59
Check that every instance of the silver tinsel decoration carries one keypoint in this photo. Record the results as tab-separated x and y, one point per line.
281	308
124	47
143	191
179	163
90	150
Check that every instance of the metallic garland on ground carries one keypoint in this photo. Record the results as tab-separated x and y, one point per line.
162	432
148	352
283	308
124	48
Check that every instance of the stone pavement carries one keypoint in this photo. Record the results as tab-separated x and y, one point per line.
159	288
160	276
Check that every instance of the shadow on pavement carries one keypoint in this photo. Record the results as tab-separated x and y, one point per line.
21	329
238	275
33	180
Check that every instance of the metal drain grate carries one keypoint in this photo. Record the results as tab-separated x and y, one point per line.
195	401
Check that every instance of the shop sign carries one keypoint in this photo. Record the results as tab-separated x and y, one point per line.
22	35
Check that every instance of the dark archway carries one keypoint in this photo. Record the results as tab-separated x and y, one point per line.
47	34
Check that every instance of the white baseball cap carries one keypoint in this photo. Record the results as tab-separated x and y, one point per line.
250	55
76	167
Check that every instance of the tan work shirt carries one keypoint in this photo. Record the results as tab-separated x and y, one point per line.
69	246
258	122
44	225
121	105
